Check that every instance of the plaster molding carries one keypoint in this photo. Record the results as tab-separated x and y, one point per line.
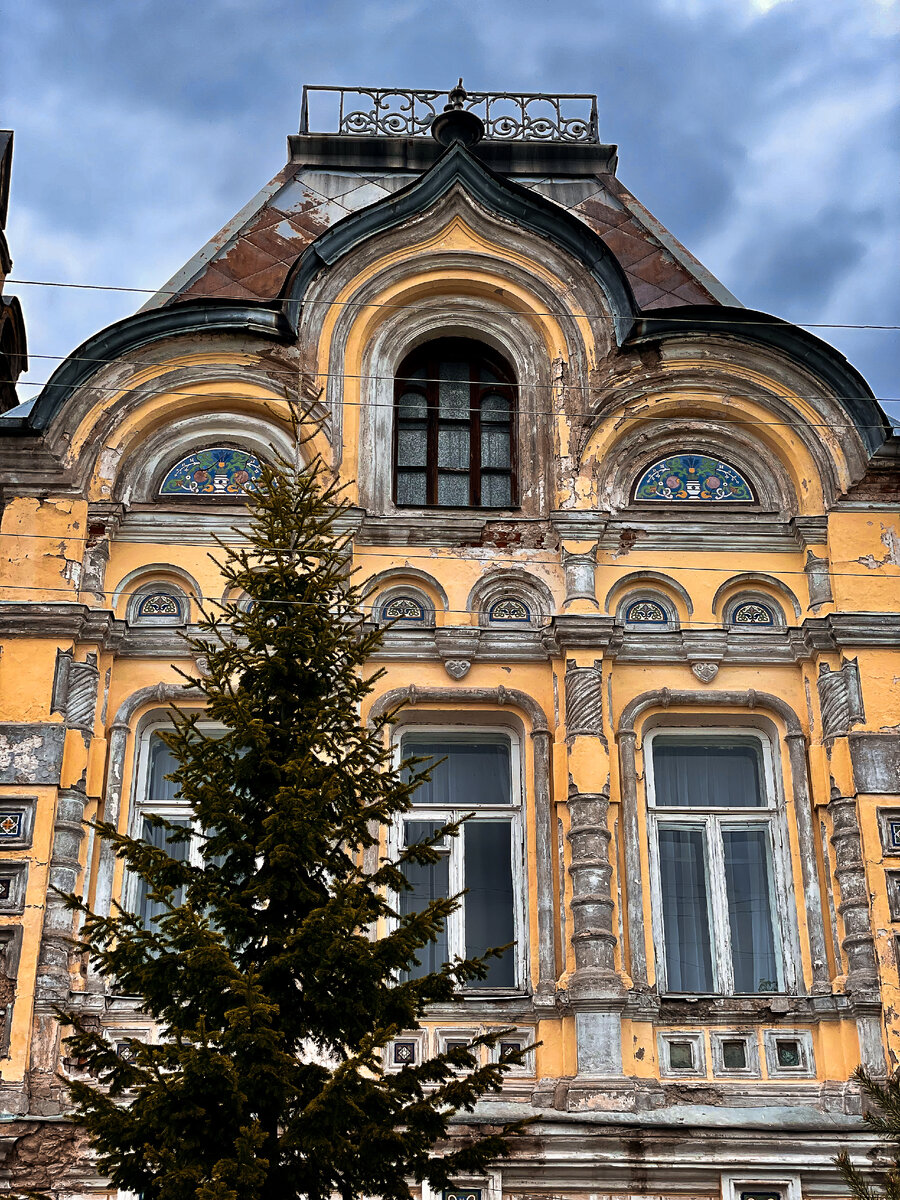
456	698
751	579
644	577
626	736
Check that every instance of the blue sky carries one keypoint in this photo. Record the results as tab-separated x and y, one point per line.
763	133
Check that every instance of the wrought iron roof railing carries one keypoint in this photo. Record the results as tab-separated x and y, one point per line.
402	112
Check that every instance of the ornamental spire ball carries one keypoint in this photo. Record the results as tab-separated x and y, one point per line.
457	123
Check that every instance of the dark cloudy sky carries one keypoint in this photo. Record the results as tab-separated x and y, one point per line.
763	133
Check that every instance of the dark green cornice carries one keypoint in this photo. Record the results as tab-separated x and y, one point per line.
190	317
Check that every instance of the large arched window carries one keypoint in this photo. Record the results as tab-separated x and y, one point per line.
455	406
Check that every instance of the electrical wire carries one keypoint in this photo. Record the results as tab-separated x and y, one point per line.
562	411
598	316
489	554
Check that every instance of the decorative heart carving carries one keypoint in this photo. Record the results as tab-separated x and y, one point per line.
705	671
457	667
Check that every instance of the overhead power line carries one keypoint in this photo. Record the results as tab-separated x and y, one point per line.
561	411
561	312
456	557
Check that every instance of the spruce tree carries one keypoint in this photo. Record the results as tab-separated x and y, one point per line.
883	1117
275	997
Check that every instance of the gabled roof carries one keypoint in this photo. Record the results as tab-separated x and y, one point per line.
250	258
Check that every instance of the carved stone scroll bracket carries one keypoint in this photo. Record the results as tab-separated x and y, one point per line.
858	943
840	698
705	671
581	570
584	701
81	693
818	577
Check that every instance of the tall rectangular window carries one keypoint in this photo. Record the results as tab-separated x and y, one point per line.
157	796
474	773
711	819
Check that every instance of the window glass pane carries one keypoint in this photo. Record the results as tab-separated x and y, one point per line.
453	390
412	406
488	374
453	446
412	487
472	773
734	1054
149	910
748	883
162	763
685	905
707	774
495	408
489	897
418	831
496	491
453	489
427	883
412	446
495	446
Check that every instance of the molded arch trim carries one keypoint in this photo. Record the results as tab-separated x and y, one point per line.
848	386
529	210
397	576
750	578
454	697
647	578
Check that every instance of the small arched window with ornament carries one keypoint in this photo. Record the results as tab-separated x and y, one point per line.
693	477
225	472
753	612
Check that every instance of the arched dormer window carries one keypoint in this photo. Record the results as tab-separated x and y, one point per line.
455	426
693	478
646	612
751	612
214	471
403	608
158	603
509	611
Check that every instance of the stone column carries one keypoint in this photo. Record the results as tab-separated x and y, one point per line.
857	942
815	917
634	889
53	982
595	990
544	850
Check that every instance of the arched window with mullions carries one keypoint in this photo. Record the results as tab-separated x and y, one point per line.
455	428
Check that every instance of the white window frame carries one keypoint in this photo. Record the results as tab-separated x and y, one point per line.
170	810
712	821
788	1185
455	730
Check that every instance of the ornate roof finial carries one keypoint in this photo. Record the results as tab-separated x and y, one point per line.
457	123
456	96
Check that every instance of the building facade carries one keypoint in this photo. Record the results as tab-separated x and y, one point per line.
638	551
